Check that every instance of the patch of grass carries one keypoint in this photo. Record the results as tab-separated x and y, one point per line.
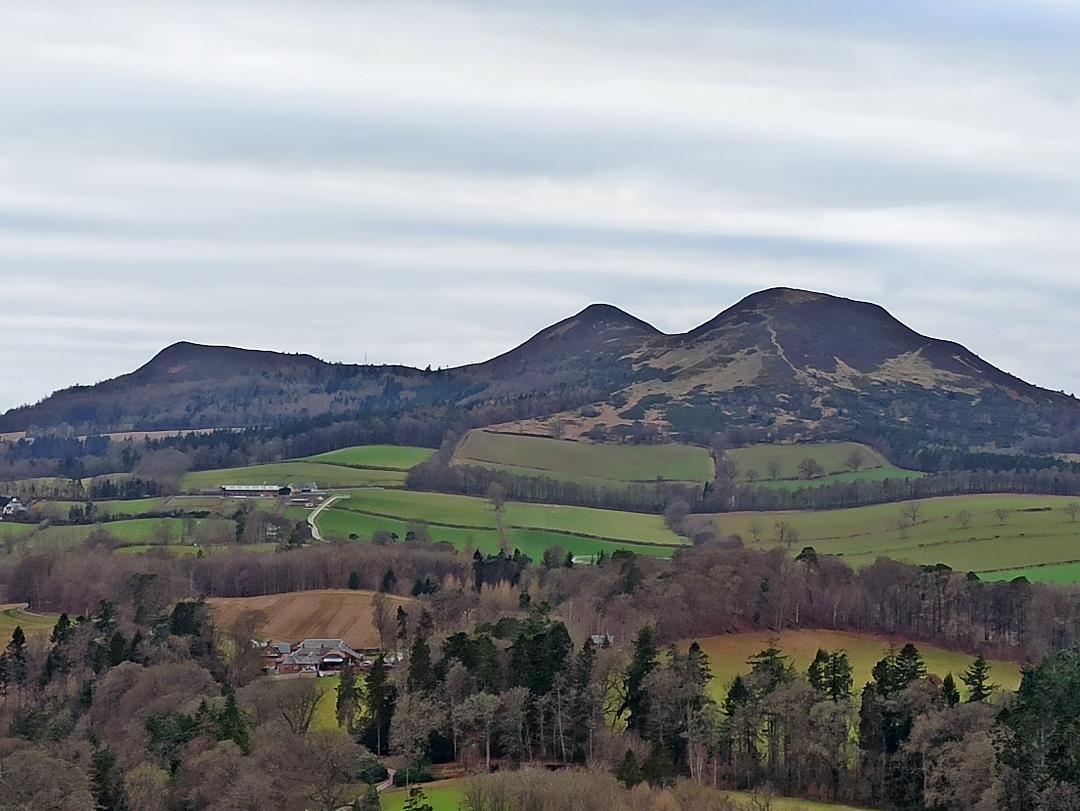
1060	573
877	474
14	616
285	473
832	456
575	461
444	795
339	524
963	532
728	655
387	457
789	803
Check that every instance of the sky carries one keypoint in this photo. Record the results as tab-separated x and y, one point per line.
433	183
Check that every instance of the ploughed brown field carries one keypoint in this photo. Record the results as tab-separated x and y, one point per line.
296	615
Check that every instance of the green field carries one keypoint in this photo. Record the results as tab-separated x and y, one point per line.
585	462
129	532
384	457
445	795
728	655
284	473
1062	573
532	528
1035	531
753	463
12	617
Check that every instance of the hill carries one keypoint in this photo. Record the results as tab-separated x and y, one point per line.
325	614
782	364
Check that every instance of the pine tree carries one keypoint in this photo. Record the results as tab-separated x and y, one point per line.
659	768
416	801
421	676
627	771
909	665
348	697
977	679
107	784
738	695
389	582
381	698
62	631
838	676
354	581
949	693
230	724
13	667
816	674
642	663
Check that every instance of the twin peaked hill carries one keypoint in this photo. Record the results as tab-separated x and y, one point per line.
780	364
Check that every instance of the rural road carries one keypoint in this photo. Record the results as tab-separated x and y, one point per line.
315	534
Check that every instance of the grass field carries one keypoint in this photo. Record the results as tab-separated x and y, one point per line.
585	462
753	464
14	616
1035	530
532	528
728	655
296	615
283	473
1061	573
445	795
384	457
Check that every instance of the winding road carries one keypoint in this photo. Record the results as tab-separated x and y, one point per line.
315	534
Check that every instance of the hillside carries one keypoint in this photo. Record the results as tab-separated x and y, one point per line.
781	364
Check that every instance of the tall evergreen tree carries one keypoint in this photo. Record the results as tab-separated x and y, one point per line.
949	693
977	679
635	705
348	697
421	677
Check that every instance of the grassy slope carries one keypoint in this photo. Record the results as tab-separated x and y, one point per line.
446	795
1036	531
394	457
728	655
1059	573
576	460
12	617
292	473
830	455
533	527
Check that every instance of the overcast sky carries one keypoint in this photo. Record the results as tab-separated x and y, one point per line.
433	183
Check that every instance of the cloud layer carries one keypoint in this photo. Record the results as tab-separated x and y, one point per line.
432	183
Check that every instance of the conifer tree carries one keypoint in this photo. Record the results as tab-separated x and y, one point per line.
977	679
949	692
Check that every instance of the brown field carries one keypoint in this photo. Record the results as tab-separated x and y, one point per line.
297	615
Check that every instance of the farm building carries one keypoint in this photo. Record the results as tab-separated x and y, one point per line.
11	507
316	657
255	490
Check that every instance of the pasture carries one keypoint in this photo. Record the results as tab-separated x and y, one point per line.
983	533
778	465
465	521
284	473
14	616
444	795
378	457
584	462
729	653
323	614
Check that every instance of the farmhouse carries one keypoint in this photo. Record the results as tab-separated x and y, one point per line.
254	490
316	657
12	507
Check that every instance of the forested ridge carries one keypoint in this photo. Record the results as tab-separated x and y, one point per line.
137	692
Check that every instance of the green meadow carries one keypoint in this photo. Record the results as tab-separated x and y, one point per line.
13	616
964	532
465	521
383	457
284	473
446	795
584	462
729	653
753	463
